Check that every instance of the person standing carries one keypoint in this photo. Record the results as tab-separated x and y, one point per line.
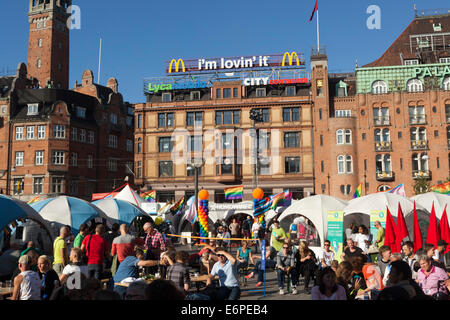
278	236
362	238
379	242
246	227
385	253
439	252
96	249
154	242
234	229
27	285
410	257
60	251
49	277
124	244
80	236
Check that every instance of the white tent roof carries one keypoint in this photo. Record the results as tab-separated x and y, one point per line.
379	201
128	194
440	200
315	208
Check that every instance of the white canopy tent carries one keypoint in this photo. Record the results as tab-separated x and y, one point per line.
128	194
440	200
315	208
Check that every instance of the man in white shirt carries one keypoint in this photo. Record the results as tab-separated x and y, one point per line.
362	239
327	256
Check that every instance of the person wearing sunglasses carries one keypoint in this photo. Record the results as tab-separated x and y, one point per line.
327	255
286	266
226	269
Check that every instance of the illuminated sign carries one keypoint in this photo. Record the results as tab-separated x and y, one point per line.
265	81
244	62
290	58
154	88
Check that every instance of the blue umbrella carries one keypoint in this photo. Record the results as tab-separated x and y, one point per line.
120	211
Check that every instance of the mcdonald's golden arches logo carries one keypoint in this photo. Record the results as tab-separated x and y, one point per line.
177	65
290	58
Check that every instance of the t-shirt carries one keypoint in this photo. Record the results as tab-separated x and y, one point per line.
123	246
327	256
349	254
127	268
97	249
380	237
227	274
59	244
244	255
72	268
234	227
277	234
360	239
78	240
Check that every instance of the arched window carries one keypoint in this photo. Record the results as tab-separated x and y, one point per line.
349	164
341	164
414	85
418	134
340	136
420	162
383	188
379	87
386	135
344	136
348	136
446	84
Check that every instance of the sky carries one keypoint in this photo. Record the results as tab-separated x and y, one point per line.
139	36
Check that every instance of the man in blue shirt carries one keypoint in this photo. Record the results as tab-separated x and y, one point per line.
130	268
226	270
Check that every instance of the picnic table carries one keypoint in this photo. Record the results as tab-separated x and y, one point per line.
201	278
6	292
127	284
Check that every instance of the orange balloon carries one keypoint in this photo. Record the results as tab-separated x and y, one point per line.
258	194
203	195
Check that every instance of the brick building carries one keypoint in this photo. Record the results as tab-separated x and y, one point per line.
386	123
53	140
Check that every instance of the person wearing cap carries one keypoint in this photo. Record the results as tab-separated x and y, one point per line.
439	252
278	236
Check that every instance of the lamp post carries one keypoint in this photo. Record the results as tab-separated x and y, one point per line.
256	116
196	164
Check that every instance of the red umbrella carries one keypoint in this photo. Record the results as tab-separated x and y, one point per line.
389	235
401	230
433	235
418	242
445	229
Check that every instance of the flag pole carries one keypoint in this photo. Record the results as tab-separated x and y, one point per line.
318	39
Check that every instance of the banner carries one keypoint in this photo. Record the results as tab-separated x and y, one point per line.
335	229
263	254
377	215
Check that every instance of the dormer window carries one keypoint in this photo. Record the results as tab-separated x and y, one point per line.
33	109
341	89
81	112
444	60
411	62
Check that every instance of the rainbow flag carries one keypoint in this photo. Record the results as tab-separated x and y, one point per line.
35	199
234	193
400	190
358	192
287	201
443	188
149	196
177	207
276	199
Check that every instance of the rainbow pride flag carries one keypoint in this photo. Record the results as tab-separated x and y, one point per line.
276	200
443	188
358	192
35	199
234	193
177	207
149	196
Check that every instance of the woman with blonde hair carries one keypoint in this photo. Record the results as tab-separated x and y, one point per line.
306	263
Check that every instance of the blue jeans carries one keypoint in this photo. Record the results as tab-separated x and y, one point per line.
229	293
95	270
270	264
240	265
281	275
122	291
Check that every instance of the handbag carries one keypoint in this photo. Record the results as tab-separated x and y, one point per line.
114	265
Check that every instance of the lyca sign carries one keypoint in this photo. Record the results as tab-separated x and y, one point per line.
438	71
154	88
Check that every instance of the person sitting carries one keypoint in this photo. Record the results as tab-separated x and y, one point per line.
129	268
136	291
328	289
286	266
163	290
351	250
385	253
394	257
75	265
225	268
207	261
34	255
306	263
429	276
27	285
344	276
49	277
243	257
271	262
373	280
401	275
357	273
177	271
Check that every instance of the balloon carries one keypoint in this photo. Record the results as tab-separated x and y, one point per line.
258	194
158	221
203	195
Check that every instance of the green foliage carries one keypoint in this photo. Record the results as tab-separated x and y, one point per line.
422	185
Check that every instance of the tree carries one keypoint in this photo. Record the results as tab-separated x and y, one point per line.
422	185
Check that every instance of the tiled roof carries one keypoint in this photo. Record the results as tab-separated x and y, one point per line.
5	86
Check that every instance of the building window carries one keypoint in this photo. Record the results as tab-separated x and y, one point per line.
59	131
322	166
73	187
74	134
381	116
344	136
194	144
345	164
112	141
74	159
291	114
33	109
414	85
113	118
444	60
235	92
40	43
265	112
292	165
290	91
345	189
195	95
82	135
19	158
379	87
139	169
446	83
190	171
292	139
38	185
81	112
166	97
417	115
194	118
112	165
382	135
263	141
129	145
90	161
58	157
57	185
228	117
18	185
139	145
383	163
260	92
19	133
419	162
342	113
39	63
39	159
165	169
165	120
217	93
30	132
264	166
91	137
226	93
226	166
41	132
165	144
321	140
139	121
383	188
411	62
